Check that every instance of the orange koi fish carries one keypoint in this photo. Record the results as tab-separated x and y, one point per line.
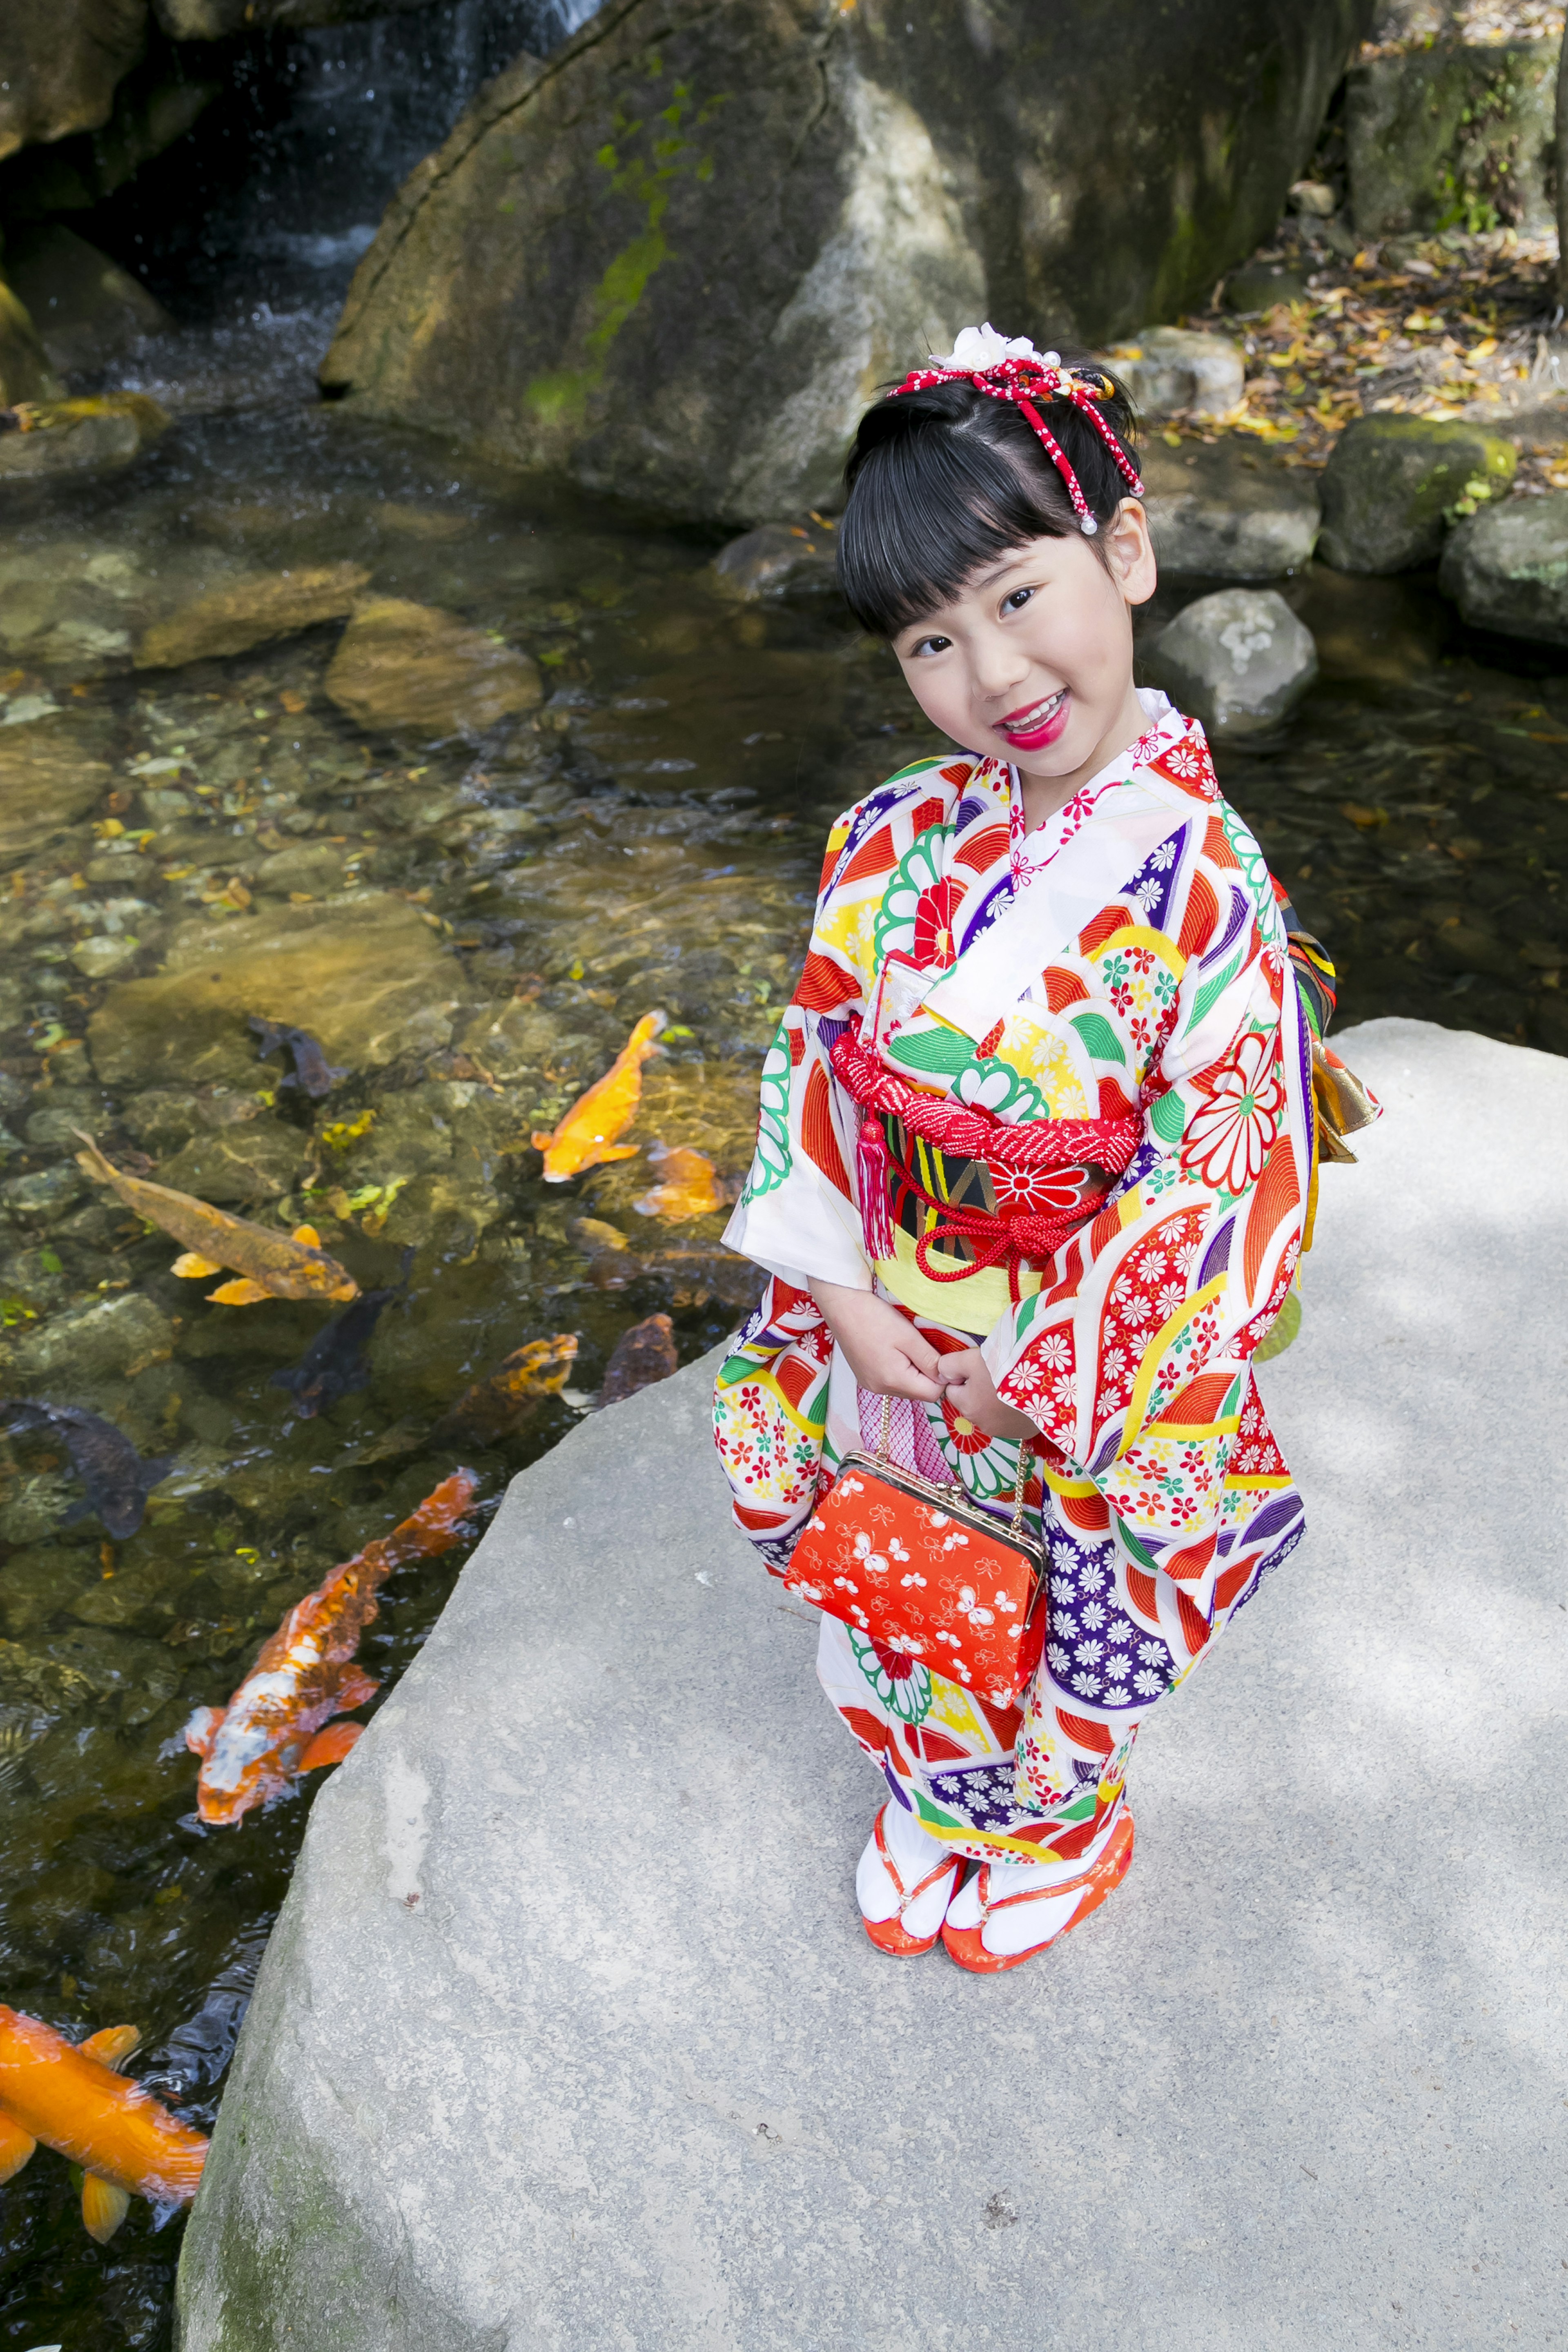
272	1265
71	2096
587	1134
491	1408
270	1731
688	1184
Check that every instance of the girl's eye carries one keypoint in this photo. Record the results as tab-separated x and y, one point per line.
930	645
1017	600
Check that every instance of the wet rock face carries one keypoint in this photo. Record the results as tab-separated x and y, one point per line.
85	307
546	287
407	670
83	436
250	612
25	371
1240	661
1393	482
775	557
1228	512
1507	568
59	61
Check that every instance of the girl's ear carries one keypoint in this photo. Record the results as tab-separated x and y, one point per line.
1132	552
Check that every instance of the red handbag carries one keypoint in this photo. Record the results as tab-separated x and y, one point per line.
923	1569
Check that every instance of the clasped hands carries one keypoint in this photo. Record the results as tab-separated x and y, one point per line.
888	1355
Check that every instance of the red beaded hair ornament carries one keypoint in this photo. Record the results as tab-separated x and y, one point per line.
1020	374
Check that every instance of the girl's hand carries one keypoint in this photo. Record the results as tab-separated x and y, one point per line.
885	1352
972	1391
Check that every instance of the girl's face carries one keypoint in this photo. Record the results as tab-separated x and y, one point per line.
1032	660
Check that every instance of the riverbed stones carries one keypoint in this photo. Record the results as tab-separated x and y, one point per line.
1167	369
256	1161
578	2119
1230	511
1393	483
82	437
86	309
363	974
50	778
1240	661
84	1354
410	670
1507	568
676	259
251	610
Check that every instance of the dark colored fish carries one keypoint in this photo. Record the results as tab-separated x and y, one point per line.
311	1068
644	1354
118	1481
333	1365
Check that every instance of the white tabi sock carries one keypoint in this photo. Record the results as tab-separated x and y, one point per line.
915	1852
1024	1925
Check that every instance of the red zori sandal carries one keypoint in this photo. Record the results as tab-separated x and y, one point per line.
890	1935
967	1945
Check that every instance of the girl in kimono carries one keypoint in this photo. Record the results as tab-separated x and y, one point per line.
1065	922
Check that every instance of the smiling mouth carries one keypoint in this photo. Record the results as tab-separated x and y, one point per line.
1034	718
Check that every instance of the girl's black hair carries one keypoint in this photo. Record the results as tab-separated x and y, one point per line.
944	481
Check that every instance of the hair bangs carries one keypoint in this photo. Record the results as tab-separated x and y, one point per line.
944	482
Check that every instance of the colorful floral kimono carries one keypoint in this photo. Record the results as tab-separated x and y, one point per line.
1129	960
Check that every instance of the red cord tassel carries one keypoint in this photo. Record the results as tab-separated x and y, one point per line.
873	1165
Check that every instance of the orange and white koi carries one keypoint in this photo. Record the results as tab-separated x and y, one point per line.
688	1184
271	1264
71	2096
271	1731
587	1135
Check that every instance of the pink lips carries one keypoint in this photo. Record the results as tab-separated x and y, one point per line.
1036	738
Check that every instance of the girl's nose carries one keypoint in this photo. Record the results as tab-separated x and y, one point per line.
999	665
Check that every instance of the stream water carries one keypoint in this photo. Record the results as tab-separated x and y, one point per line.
648	836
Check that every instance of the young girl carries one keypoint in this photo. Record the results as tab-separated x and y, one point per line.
1065	922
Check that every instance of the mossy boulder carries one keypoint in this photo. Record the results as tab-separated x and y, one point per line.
1395	483
676	259
1507	568
1452	133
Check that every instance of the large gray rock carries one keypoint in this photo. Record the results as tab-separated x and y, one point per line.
1228	511
1172	369
568	2036
1450	130
1507	568
59	61
1393	483
675	260
1239	661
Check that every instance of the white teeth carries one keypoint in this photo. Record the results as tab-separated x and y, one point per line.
1038	716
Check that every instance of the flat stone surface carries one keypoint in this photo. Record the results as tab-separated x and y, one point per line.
1232	511
1298	2084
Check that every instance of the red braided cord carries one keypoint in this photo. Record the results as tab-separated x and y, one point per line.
953	1126
1016	1239
1015	381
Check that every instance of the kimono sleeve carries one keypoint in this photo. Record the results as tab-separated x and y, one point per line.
797	1215
1133	1358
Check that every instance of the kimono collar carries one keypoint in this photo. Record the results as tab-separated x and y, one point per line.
1032	851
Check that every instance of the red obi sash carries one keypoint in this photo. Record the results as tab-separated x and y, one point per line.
1048	1177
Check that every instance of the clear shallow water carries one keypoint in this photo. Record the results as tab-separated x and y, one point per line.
650	837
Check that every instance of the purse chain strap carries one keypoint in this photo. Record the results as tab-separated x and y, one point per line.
1019	1483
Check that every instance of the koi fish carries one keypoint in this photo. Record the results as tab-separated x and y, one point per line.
271	1731
334	1366
644	1354
587	1134
311	1069
491	1408
71	2095
271	1264
688	1184
117	1480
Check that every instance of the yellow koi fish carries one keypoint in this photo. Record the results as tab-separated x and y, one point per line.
489	1411
587	1134
271	1264
70	2095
